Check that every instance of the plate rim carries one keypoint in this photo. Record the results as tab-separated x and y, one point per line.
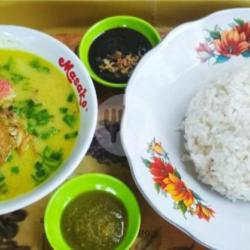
171	35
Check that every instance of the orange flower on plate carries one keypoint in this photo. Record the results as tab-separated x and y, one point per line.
178	190
156	147
244	28
231	43
204	212
160	170
168	180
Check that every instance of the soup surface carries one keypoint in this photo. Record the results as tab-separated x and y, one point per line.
95	220
39	121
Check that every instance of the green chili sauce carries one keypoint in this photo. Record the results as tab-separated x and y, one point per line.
95	220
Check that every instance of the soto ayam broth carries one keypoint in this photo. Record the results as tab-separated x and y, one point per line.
39	121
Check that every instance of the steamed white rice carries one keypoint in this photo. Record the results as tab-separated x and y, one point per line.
217	133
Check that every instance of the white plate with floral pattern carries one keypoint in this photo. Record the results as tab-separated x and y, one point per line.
157	97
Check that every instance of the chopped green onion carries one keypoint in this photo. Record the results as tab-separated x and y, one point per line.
71	97
16	78
15	170
35	64
50	160
69	119
38	165
7	66
49	133
10	157
37	116
63	110
2	177
70	135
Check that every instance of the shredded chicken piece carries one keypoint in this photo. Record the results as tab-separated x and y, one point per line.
5	143
24	145
12	134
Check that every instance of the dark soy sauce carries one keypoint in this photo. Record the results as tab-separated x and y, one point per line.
119	42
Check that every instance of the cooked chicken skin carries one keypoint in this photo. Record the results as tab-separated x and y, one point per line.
12	134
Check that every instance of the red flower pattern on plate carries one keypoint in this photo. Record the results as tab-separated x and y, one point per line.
220	45
168	180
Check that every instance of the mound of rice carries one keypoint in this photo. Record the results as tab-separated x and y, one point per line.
217	133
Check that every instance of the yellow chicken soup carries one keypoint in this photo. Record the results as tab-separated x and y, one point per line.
39	121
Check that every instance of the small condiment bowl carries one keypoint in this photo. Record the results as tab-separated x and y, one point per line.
134	23
85	183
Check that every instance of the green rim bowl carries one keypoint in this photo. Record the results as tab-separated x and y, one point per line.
100	27
84	183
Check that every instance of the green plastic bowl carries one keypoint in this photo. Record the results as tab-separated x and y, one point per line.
84	183
100	27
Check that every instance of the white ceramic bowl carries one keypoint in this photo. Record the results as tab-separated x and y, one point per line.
56	53
156	101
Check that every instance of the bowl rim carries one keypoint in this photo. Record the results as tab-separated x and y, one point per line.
169	38
112	22
95	179
54	181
